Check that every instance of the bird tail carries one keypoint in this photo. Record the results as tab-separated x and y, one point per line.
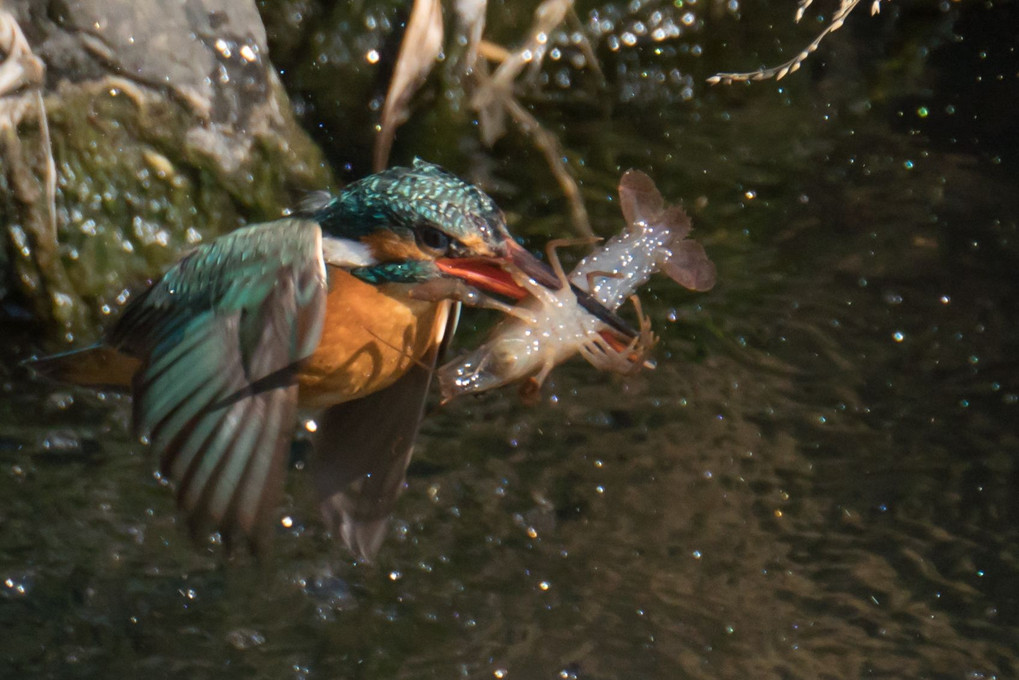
96	366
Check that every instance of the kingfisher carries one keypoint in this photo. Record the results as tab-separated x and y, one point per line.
342	309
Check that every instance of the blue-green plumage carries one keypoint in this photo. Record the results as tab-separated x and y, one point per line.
404	198
219	340
412	271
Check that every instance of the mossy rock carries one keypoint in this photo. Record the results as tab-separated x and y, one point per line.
150	157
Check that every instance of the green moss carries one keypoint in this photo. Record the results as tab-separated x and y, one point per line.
141	179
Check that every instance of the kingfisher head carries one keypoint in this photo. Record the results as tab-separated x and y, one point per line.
422	222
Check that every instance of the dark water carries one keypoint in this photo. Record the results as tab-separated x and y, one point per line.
818	481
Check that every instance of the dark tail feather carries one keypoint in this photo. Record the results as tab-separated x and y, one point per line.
97	366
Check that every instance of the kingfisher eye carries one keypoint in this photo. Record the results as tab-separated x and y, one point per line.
432	239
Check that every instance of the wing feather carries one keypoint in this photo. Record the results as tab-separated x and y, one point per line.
219	338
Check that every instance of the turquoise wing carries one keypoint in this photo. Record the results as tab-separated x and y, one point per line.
220	337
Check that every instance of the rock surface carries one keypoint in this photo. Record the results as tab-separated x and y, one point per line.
166	125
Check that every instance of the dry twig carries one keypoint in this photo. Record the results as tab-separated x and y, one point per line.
494	98
493	95
21	78
782	70
421	44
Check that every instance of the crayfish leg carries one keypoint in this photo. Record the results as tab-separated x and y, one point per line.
553	257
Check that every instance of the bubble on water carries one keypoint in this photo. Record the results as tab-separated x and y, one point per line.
60	401
245	638
330	593
61	441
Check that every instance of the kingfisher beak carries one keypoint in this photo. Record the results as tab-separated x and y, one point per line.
483	273
486	274
532	266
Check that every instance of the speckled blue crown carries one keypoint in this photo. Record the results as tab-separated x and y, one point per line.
405	197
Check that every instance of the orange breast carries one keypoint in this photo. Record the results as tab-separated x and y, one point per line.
372	336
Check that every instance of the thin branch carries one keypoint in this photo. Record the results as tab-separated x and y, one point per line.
548	144
494	97
782	70
22	69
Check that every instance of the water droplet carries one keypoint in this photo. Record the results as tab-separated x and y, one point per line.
223	47
61	400
245	638
17	585
61	441
248	53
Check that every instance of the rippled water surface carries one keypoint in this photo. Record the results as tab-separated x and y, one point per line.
818	481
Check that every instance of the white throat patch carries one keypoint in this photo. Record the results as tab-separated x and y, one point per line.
341	252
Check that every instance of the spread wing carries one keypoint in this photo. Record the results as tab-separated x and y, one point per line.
363	448
219	338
